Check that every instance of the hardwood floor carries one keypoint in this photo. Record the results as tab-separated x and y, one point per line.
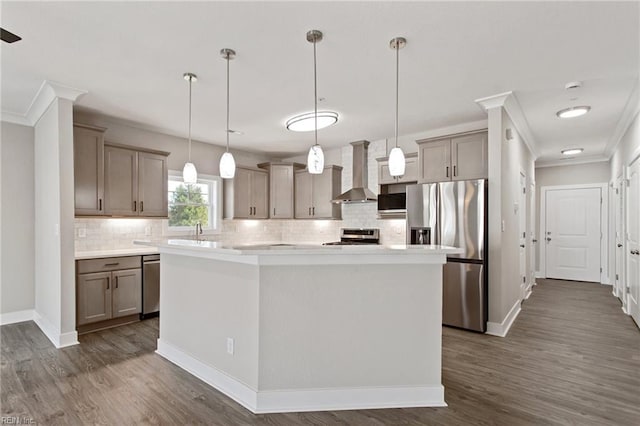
571	358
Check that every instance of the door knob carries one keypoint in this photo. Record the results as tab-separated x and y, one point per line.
522	245
548	239
534	241
619	245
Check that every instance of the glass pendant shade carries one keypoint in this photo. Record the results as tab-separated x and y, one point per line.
396	162
315	160
189	173
227	166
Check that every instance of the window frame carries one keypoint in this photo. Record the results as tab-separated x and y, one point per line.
215	206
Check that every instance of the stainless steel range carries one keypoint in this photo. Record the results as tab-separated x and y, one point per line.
355	236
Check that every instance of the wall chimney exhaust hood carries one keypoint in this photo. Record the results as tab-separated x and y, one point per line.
359	193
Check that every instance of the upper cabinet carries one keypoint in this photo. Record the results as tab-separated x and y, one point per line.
410	171
117	180
246	195
88	166
313	194
453	158
281	190
135	182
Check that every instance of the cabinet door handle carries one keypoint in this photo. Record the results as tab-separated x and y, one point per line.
141	206
99	204
135	206
274	211
455	172
313	211
447	171
250	210
112	264
116	281
309	211
108	279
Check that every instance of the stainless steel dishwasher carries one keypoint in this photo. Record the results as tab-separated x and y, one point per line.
150	286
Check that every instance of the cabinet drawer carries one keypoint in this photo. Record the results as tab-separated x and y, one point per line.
108	264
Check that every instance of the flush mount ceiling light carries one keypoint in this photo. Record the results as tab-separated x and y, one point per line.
396	156
573	111
572	151
227	163
315	159
189	173
306	123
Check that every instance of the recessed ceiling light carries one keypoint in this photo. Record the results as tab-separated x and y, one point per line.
306	123
573	111
572	151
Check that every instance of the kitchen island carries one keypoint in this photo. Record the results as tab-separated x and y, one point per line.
282	328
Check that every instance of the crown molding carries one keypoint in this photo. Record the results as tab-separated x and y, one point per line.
571	161
12	117
493	101
630	112
50	90
509	101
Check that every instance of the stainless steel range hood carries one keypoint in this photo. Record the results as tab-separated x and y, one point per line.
359	193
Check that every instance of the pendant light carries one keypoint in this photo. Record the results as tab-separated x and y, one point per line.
227	163
396	157
189	173
315	159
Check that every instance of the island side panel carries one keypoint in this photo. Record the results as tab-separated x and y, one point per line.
202	303
350	326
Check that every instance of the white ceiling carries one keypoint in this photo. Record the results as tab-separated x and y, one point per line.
130	57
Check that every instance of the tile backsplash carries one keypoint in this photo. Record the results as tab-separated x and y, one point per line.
106	234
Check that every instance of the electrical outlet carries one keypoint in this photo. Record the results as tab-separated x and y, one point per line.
82	232
230	346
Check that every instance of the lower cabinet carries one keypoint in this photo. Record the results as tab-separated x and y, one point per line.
105	291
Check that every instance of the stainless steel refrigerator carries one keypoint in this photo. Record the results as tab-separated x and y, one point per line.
455	214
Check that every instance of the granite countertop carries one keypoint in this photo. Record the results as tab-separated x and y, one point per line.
133	251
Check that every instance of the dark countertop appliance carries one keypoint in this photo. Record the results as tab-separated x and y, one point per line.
455	214
357	236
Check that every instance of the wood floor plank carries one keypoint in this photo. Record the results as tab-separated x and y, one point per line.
571	358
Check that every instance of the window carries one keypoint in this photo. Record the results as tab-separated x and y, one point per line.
193	203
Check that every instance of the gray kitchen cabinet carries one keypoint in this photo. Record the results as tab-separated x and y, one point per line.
121	181
410	172
88	168
108	288
313	194
135	182
152	184
93	297
126	296
281	188
459	157
246	196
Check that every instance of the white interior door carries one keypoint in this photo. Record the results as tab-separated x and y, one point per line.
522	226
619	283
633	241
532	235
572	234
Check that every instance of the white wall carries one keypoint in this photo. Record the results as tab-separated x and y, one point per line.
54	247
627	150
17	219
577	174
507	159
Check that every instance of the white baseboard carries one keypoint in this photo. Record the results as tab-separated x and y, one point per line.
529	291
539	274
501	329
283	401
59	340
17	316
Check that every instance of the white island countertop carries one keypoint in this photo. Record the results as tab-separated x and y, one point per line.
132	251
276	252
